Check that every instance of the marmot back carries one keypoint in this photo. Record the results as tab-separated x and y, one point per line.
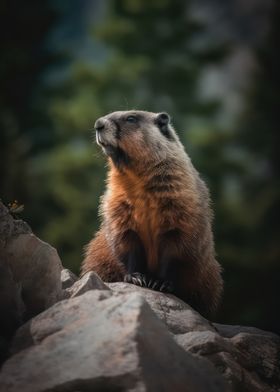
156	220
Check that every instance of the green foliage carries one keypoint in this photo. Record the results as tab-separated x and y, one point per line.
47	160
152	63
21	132
253	266
260	137
156	56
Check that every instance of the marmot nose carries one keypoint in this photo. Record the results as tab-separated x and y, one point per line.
99	124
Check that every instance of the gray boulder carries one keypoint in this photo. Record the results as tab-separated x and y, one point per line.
85	335
103	341
30	270
90	281
248	361
178	316
67	278
248	358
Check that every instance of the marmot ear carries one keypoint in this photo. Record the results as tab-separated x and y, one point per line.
163	119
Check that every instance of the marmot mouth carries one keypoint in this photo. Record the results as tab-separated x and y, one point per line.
99	141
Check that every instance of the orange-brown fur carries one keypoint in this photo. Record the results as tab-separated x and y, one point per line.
172	224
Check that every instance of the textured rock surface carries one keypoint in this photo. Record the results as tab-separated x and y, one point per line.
11	308
178	316
90	281
36	267
10	227
11	304
257	370
114	336
30	265
112	340
102	341
248	358
67	278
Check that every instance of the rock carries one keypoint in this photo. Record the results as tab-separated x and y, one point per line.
67	278
10	227
228	331
263	351
220	351
203	342
11	308
90	281
178	316
33	268
103	341
248	358
115	336
249	362
6	223
239	379
36	267
11	304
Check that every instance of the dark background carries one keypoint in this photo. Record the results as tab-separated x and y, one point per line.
213	65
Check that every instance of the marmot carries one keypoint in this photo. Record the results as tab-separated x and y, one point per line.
156	220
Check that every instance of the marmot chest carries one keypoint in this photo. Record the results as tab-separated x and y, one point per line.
146	222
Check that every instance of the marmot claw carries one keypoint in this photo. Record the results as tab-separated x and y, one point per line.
154	284
136	278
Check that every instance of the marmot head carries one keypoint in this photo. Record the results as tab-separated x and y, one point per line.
136	137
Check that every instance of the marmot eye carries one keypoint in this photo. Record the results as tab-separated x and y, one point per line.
131	119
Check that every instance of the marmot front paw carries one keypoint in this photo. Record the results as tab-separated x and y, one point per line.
151	283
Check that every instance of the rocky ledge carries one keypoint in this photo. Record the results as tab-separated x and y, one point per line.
61	333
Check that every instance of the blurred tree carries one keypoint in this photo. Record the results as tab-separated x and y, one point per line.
43	164
153	63
22	122
254	149
261	138
159	54
252	260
